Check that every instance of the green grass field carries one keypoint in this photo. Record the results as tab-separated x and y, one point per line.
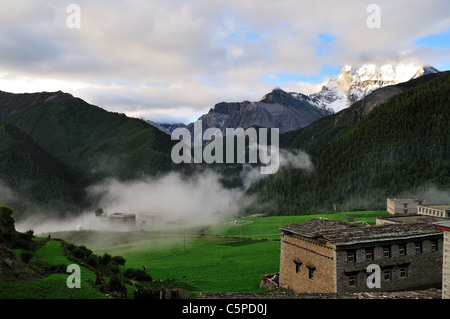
228	257
53	286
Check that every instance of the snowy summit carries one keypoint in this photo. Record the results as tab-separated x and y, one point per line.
354	83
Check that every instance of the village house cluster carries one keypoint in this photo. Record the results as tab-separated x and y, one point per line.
410	248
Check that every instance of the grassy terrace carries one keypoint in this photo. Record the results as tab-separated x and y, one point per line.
53	286
230	256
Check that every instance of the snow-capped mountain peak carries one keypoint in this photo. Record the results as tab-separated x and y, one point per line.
355	82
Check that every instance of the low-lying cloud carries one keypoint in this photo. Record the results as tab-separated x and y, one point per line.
196	199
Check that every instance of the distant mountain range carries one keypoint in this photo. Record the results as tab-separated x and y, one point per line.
393	138
289	111
166	127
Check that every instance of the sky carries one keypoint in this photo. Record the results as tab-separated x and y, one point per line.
171	61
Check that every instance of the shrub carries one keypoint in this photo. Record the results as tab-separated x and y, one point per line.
78	253
137	274
28	235
86	252
6	218
112	267
26	256
92	260
119	260
105	259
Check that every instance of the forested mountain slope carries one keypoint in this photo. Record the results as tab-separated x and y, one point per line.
400	146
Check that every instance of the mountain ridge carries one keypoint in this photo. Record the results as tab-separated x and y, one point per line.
289	111
399	148
90	140
277	109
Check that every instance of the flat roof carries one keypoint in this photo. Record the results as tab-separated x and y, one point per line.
437	206
342	233
122	215
404	198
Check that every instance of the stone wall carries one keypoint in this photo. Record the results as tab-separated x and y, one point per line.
420	270
306	266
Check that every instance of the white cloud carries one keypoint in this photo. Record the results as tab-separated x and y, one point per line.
202	52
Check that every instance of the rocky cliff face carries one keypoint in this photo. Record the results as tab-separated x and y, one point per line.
277	109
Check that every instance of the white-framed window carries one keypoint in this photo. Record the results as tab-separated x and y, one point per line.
387	252
351	256
434	245
403	272
418	247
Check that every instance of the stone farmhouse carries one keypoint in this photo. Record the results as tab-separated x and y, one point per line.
414	206
116	219
331	256
403	206
122	219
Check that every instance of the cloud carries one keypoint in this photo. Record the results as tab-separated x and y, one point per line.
197	198
182	43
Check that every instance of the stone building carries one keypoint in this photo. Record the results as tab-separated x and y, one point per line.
442	211
446	260
331	256
122	219
403	206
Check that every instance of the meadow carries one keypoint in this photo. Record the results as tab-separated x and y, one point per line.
230	256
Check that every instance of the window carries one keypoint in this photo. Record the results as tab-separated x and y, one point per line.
351	256
387	252
402	250
297	266
311	272
352	281
418	248
403	272
387	275
434	245
369	254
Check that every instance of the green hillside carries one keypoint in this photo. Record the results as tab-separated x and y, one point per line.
30	176
401	146
91	141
